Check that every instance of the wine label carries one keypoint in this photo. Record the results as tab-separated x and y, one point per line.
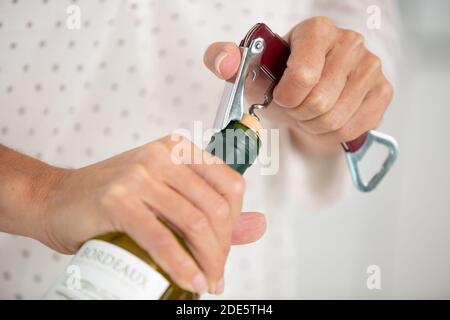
101	270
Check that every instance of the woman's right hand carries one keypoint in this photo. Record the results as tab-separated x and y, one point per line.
135	191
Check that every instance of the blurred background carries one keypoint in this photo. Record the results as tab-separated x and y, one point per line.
404	227
415	204
407	222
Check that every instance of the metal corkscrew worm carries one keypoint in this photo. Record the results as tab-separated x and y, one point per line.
268	96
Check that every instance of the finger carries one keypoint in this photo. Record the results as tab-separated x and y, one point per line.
360	81
194	188
310	42
340	61
193	226
227	182
140	223
250	227
369	115
223	59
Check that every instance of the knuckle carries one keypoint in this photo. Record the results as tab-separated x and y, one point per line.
355	38
387	91
221	208
207	56
318	103
113	195
197	224
304	76
172	136
137	174
321	21
176	148
114	207
173	139
237	185
333	121
152	151
374	62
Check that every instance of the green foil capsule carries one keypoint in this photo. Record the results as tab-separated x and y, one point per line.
238	144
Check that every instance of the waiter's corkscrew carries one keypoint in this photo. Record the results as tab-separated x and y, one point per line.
266	52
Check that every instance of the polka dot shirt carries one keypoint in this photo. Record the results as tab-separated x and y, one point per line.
131	73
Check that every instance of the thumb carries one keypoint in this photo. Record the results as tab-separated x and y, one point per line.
223	59
249	228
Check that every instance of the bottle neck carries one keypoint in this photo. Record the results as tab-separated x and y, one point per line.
238	144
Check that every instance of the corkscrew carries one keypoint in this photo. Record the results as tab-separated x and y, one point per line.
265	52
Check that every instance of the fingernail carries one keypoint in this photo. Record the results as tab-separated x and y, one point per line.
220	286
199	283
218	61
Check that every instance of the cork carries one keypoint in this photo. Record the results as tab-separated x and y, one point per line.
252	123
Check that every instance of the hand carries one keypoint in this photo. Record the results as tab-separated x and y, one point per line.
333	89
134	191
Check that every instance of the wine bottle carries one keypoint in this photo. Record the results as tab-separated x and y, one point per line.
113	266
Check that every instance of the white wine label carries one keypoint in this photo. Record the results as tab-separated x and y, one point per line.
101	270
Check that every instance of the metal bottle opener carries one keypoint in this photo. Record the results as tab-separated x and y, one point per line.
264	51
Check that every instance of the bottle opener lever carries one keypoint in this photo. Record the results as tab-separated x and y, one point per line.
264	51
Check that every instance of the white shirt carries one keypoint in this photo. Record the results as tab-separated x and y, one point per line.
132	73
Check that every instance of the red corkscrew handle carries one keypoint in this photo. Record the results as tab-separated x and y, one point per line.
273	63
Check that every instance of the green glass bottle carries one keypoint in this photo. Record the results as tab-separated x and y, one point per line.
113	266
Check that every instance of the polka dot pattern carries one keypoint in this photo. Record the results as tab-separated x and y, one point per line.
132	73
